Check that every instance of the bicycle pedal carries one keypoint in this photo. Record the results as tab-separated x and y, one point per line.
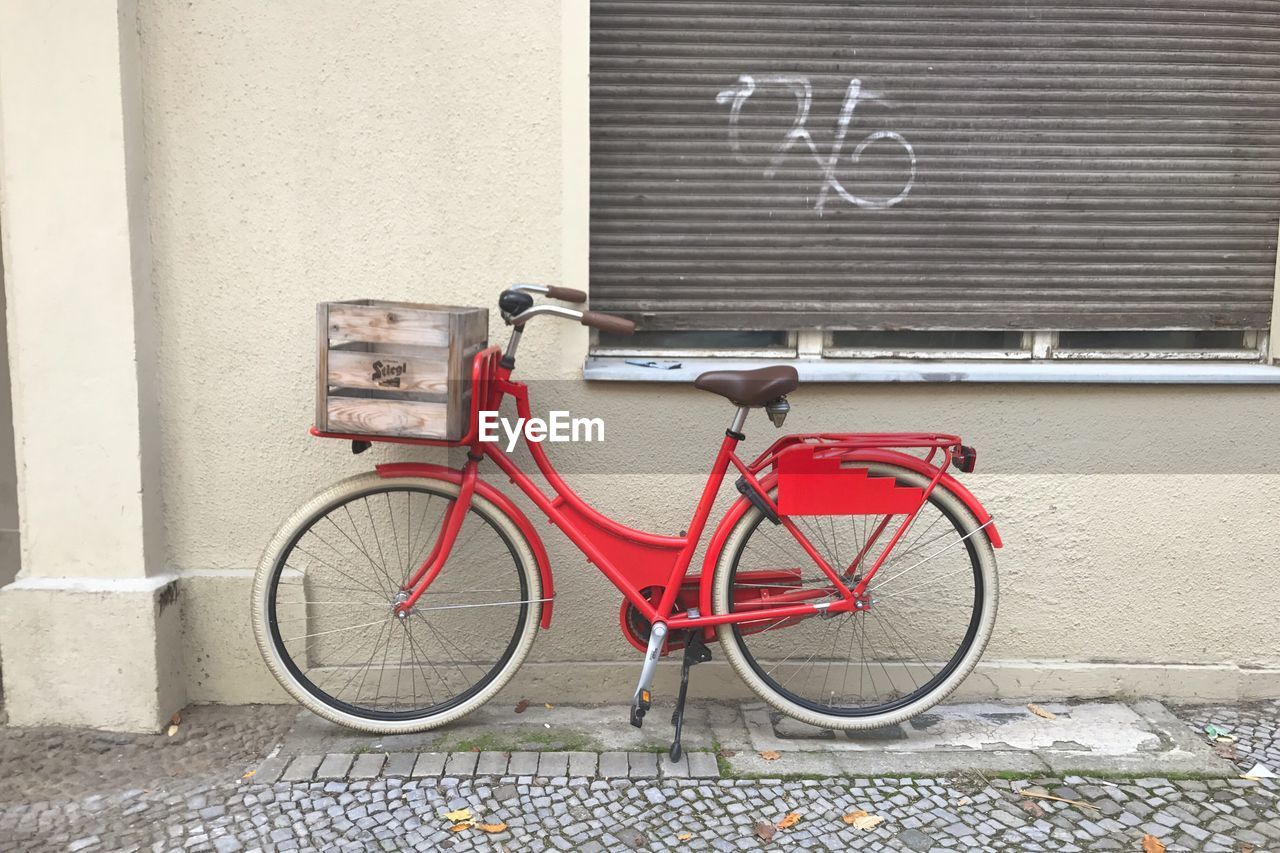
640	706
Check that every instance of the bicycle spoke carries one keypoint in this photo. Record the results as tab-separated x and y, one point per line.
338	570
364	549
377	540
335	631
395	537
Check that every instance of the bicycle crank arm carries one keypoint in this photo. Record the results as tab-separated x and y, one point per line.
641	702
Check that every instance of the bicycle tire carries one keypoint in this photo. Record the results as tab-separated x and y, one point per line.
291	675
986	585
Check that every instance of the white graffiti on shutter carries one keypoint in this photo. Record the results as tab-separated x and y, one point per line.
802	89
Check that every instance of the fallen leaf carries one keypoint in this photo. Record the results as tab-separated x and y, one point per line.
963	801
1225	750
459	815
1042	794
1247	848
549	705
789	821
458	827
1041	712
1032	808
862	820
1151	844
248	774
176	718
500	826
522	706
727	753
764	830
770	755
684	836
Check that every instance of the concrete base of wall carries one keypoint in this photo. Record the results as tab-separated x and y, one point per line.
100	653
223	666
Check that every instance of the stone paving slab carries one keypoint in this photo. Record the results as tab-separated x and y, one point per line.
335	766
400	764
302	769
1140	739
429	764
367	766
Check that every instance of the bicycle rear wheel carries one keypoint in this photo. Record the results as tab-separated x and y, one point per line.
931	608
325	594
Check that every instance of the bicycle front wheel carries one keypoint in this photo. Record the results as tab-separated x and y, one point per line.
928	614
325	594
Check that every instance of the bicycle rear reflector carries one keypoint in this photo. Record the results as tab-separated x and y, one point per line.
965	459
813	485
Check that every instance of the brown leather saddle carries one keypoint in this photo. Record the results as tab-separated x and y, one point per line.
750	387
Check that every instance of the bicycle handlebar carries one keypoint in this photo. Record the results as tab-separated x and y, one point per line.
564	294
594	319
608	323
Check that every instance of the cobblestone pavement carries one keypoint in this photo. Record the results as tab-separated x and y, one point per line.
88	791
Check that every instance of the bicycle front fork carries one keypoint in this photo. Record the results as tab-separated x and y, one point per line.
455	512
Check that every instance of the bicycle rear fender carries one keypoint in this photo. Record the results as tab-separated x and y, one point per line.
428	471
890	457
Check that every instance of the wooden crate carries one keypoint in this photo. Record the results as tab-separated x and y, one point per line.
396	368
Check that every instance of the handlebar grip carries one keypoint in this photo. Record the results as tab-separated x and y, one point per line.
608	323
566	294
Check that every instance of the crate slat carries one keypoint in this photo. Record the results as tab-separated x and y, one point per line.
387	417
387	371
390	323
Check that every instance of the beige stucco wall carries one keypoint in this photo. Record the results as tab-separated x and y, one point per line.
299	152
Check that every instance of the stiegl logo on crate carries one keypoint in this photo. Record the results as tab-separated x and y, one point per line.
559	426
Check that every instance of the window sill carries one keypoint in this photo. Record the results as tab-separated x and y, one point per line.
615	369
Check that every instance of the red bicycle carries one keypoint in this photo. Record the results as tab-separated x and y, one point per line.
852	584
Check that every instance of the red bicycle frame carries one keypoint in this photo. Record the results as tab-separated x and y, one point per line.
822	466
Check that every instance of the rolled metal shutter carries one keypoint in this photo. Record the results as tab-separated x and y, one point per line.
947	165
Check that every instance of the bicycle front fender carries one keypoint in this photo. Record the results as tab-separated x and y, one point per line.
428	471
890	457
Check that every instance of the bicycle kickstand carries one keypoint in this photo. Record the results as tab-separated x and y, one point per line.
695	652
